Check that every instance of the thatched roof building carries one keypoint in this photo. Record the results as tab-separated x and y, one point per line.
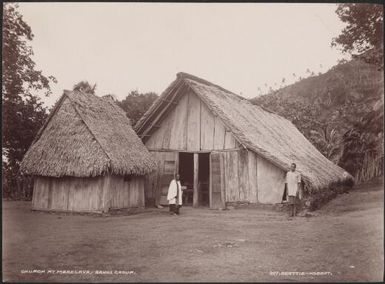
267	134
87	157
91	136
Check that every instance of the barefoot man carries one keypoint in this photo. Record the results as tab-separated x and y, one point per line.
293	185
174	195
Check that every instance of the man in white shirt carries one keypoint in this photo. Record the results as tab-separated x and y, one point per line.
293	186
174	195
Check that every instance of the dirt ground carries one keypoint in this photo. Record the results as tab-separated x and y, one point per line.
341	242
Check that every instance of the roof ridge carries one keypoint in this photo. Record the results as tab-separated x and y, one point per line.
184	75
81	117
155	105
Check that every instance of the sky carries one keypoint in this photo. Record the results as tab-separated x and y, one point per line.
142	46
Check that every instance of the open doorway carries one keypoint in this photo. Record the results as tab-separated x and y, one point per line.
186	172
203	179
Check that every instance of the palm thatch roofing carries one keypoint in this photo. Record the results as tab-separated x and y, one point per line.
265	133
86	135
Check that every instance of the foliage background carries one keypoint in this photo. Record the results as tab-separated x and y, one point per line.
23	112
136	104
340	112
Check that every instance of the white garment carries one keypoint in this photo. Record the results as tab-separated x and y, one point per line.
172	192
292	180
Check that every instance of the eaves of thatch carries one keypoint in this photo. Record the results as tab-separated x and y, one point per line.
86	135
265	133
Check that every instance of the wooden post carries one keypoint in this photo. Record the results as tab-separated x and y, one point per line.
222	163
210	184
196	168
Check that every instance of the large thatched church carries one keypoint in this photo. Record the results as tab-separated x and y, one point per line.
87	157
226	149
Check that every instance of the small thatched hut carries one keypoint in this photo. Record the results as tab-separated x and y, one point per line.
87	157
225	148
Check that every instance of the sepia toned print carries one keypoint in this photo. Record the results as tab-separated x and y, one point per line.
192	142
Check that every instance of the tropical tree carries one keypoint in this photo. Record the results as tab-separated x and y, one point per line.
136	104
363	154
23	112
329	142
363	38
86	87
363	35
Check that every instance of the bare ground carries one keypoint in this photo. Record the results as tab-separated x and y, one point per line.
344	239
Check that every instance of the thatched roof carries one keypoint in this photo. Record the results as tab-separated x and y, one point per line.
86	135
265	133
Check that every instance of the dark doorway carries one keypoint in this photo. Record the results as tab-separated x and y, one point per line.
203	178
186	172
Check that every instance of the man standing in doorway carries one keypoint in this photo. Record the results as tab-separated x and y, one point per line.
293	185
174	195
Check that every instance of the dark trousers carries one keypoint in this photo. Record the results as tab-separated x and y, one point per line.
293	204
174	208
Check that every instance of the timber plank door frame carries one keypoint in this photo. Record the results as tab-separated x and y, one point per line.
217	185
192	172
197	172
196	180
169	168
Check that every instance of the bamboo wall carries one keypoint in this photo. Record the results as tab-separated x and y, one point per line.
271	182
251	178
240	176
157	182
93	194
190	126
126	194
372	166
243	176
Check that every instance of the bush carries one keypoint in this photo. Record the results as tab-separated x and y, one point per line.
323	196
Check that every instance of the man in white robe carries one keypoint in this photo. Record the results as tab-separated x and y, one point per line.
293	185
174	195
